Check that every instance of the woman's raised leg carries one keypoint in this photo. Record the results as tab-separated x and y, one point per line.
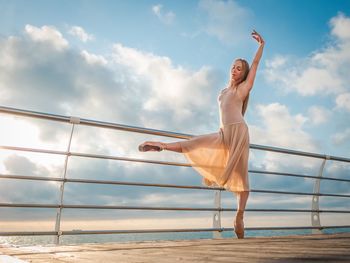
173	146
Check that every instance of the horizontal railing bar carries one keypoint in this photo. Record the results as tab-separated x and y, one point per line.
145	231
24	149
299	175
106	207
184	230
300	153
86	155
109	125
207	209
94	123
287	228
289	210
136	231
295	193
142	184
38	178
114	207
27	205
160	185
29	233
31	178
137	208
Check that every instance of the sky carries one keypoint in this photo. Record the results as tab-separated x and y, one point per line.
161	65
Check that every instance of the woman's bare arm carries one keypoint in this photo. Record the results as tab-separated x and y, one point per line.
248	83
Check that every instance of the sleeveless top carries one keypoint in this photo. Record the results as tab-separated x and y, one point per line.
230	107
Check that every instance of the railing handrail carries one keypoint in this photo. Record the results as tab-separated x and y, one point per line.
101	124
217	209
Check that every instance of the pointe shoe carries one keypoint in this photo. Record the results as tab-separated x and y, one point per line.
151	146
238	224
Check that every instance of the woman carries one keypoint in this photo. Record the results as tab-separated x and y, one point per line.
222	157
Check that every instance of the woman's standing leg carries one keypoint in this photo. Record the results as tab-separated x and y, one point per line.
242	198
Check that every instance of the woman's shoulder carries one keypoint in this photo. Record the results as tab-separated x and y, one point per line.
224	89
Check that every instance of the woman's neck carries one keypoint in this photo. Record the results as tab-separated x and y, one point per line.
233	84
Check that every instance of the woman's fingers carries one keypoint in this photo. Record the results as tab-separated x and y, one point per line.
257	36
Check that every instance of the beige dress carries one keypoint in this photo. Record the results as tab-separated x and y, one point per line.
222	157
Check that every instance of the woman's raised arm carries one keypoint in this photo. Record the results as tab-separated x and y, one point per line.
248	83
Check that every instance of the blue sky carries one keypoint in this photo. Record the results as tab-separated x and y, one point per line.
161	64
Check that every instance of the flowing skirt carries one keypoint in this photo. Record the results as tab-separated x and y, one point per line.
221	157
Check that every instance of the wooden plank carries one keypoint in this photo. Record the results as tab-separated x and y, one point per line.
311	248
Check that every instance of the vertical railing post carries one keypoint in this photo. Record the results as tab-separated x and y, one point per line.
217	214
73	120
315	205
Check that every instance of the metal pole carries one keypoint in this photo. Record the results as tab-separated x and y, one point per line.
315	216
74	121
217	214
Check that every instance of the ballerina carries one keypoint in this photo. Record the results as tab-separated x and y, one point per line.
222	157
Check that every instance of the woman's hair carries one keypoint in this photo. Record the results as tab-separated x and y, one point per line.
245	67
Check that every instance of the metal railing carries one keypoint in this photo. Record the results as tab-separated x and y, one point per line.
217	210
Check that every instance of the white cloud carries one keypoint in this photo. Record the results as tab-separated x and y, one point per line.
80	33
167	17
47	34
324	72
175	90
277	62
341	137
340	26
281	128
343	101
318	115
24	191
226	20
303	76
315	80
93	58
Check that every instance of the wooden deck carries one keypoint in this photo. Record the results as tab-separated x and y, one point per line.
310	248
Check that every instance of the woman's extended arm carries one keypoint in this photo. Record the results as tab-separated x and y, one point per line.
248	83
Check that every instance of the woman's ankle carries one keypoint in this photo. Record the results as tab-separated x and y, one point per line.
163	146
239	213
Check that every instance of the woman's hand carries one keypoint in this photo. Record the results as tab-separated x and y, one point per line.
258	37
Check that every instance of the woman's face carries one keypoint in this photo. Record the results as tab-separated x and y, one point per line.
237	71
